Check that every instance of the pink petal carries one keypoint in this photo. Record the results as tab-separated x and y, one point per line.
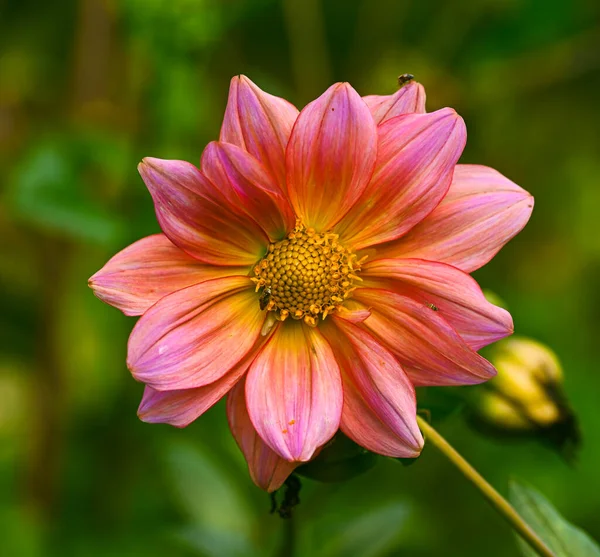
194	336
380	408
454	294
149	269
482	211
416	157
267	469
294	392
181	407
407	100
330	156
428	348
260	124
198	218
246	183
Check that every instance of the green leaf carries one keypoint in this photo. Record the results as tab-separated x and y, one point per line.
370	534
47	190
217	543
223	522
564	539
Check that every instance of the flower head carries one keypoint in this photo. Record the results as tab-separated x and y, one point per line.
314	269
527	397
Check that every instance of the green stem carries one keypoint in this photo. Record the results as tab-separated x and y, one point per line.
288	542
494	498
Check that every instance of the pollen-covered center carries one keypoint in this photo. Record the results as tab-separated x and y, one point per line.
306	275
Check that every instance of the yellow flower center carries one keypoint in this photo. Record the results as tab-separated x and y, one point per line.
306	275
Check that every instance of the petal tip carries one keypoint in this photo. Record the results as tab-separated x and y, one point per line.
419	443
454	119
446	112
529	200
147	162
147	166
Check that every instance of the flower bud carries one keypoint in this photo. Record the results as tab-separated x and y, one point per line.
526	398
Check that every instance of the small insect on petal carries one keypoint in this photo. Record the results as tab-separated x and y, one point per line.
404	79
265	298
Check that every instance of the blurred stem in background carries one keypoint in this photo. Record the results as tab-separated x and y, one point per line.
493	497
45	460
308	47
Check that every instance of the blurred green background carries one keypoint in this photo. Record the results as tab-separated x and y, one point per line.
89	87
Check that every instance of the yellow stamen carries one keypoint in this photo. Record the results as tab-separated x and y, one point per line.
306	275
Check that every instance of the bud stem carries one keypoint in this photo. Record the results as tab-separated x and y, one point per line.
493	497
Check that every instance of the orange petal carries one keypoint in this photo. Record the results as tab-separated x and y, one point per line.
428	348
353	312
260	124
198	218
330	156
416	157
246	183
194	336
149	269
267	469
481	212
407	100
380	408
294	392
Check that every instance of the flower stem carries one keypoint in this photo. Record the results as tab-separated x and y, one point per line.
494	498
288	542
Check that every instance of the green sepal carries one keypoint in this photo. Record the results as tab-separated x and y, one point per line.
340	460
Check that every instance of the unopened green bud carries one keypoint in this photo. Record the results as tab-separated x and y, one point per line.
527	396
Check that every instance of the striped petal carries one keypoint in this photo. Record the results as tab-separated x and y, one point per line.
148	270
428	348
416	157
482	211
407	100
330	156
181	407
380	408
246	183
267	469
260	124
196	335
454	294
294	392
198	218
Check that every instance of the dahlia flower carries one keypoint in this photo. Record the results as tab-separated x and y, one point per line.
314	269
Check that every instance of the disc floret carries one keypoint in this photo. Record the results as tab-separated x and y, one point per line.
307	275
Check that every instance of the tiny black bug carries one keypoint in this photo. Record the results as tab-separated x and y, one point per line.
404	79
265	298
